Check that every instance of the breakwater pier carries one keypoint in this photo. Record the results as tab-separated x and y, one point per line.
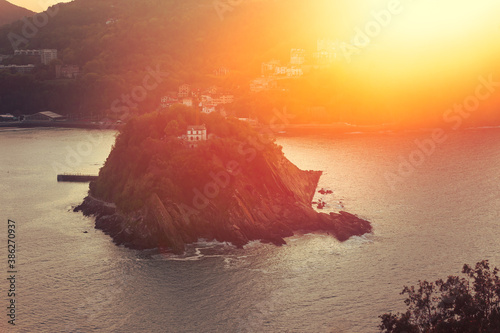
75	178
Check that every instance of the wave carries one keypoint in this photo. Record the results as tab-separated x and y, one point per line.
203	243
197	251
364	239
252	244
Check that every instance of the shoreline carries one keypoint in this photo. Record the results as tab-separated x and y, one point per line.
125	229
284	130
55	124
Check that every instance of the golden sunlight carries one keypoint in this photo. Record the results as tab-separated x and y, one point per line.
409	56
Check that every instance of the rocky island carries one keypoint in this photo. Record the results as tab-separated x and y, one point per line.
168	183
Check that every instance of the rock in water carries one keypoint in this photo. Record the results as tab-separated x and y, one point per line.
236	187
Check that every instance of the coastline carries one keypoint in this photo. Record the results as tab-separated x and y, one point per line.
56	124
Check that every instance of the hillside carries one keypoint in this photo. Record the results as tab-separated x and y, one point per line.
115	42
235	187
10	13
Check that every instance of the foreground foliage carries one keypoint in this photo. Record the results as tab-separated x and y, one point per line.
459	304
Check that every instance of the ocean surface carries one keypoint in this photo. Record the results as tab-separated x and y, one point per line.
428	221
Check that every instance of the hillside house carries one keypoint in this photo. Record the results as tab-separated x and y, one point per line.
187	102
47	55
195	134
263	84
22	69
184	90
208	108
27	52
67	71
212	90
167	101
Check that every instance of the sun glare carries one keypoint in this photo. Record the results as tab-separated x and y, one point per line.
418	54
441	21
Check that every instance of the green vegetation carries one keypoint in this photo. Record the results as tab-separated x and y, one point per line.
149	157
470	304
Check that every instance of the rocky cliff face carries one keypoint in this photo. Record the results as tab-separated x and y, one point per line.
271	210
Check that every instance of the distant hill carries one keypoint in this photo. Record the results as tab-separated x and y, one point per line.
114	42
10	13
117	44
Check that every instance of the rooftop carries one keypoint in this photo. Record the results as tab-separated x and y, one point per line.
51	114
197	127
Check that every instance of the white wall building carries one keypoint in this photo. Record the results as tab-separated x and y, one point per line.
167	101
187	102
27	52
196	133
23	69
262	84
47	55
227	99
208	108
184	90
223	99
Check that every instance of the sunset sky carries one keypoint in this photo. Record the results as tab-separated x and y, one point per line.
415	55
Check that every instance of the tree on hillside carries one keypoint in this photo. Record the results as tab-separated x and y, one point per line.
459	304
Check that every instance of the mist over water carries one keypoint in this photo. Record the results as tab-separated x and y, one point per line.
446	213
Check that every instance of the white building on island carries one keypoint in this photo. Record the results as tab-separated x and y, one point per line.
196	133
